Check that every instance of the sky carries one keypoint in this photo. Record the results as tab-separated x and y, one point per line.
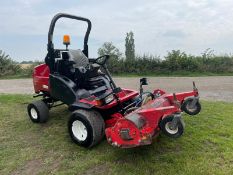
159	26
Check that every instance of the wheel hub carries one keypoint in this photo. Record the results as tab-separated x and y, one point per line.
79	130
169	128
34	114
191	107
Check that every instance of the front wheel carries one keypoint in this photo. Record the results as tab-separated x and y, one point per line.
38	111
190	107
86	128
166	127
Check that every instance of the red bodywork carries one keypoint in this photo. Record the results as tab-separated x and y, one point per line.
41	78
140	125
150	115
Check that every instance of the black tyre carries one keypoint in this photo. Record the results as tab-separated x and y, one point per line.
165	126
190	109
86	128
38	111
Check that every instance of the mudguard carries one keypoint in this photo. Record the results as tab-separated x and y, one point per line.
77	106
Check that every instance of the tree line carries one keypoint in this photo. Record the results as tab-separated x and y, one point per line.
175	62
9	67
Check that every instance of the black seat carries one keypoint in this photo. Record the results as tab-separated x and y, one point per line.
64	66
76	78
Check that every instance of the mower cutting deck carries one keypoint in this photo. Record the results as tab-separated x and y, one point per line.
141	125
128	118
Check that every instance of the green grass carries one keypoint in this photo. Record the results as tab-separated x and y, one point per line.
159	74
25	148
174	74
17	76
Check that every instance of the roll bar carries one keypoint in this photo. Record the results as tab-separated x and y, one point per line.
52	26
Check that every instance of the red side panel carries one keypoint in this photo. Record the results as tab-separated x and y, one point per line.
41	78
182	96
149	115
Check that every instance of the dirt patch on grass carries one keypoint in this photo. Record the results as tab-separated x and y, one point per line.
224	135
208	144
54	166
30	139
124	160
98	169
31	167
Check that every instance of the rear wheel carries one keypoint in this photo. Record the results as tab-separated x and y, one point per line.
190	108
38	111
166	127
86	128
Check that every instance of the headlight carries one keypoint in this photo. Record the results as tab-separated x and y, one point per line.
109	99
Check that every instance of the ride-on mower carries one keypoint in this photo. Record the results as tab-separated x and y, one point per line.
128	118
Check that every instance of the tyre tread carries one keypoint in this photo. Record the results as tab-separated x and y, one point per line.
97	123
42	109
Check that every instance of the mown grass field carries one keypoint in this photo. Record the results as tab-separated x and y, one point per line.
27	148
166	74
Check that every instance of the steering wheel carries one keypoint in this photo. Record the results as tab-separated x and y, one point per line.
102	59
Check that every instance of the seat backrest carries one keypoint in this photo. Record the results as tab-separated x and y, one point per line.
64	66
79	58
